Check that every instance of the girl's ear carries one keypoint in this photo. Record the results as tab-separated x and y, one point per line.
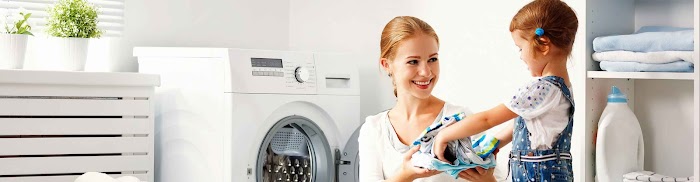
385	65
545	45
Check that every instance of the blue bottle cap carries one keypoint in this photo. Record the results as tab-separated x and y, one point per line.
616	96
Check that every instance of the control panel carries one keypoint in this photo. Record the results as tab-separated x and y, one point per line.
291	72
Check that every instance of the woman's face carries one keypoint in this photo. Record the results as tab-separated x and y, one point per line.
415	68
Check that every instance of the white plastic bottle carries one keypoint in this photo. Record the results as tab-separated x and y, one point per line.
619	145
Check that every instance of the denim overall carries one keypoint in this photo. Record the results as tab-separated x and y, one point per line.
528	165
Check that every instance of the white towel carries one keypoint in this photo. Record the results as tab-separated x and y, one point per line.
644	57
651	176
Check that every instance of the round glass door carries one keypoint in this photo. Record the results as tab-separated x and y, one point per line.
295	150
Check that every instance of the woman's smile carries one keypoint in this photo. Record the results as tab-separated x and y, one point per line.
422	84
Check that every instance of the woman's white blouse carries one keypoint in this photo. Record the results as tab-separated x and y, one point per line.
381	152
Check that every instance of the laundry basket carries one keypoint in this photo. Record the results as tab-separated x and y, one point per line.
290	142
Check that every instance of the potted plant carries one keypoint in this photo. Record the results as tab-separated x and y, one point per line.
74	22
13	39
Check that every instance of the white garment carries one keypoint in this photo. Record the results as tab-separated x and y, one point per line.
544	109
645	57
381	152
651	176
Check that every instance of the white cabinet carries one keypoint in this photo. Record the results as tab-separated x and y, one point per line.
665	103
55	126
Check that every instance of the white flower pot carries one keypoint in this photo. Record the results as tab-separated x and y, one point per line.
72	54
12	50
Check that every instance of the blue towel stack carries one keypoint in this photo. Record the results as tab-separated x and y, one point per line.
650	49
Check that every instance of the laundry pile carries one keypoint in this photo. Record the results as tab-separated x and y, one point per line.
650	49
463	154
651	176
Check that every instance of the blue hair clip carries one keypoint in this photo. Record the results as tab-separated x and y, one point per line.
539	31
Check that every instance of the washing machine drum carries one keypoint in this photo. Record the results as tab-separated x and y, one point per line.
295	149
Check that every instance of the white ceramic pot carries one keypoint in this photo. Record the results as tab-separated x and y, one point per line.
12	50
72	54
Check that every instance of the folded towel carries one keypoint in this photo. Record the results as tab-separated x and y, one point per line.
644	57
678	66
661	29
651	176
646	42
459	152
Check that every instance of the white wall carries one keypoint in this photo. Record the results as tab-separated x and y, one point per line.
251	24
651	12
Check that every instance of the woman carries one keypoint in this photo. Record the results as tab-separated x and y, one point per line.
409	54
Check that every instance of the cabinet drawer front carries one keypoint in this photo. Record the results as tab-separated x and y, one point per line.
75	126
74	145
73	107
73	164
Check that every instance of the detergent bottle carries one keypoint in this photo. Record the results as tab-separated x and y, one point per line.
620	145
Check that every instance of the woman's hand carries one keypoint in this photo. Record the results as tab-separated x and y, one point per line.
409	172
478	174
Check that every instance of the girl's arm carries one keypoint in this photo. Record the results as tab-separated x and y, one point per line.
471	125
505	136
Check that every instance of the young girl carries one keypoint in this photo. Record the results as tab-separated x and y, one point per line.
544	31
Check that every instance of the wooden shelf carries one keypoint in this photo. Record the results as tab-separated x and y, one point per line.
642	75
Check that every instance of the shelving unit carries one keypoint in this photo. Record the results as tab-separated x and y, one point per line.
666	104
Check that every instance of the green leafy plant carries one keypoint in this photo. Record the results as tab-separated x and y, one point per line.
18	23
73	18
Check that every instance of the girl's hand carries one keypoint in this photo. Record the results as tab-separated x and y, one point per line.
409	172
439	147
478	174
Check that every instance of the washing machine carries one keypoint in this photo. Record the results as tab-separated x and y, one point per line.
235	115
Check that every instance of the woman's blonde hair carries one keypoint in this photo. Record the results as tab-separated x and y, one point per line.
399	29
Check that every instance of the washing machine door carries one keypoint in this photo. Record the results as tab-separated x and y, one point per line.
295	149
348	161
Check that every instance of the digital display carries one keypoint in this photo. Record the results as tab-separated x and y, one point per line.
266	62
